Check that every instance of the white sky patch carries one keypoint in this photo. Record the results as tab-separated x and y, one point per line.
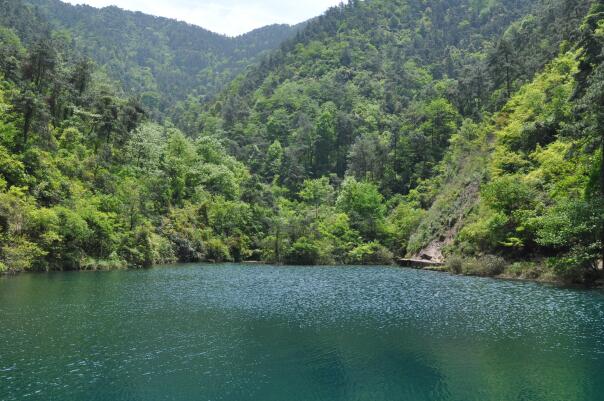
230	17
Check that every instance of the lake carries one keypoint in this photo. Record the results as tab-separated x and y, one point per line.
238	332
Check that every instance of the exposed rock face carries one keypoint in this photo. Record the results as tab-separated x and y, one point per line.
433	252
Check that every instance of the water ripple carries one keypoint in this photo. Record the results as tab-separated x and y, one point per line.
296	333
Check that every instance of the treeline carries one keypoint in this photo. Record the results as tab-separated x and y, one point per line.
419	101
526	183
376	89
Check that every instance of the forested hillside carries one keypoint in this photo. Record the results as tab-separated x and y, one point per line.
415	102
376	89
466	130
158	59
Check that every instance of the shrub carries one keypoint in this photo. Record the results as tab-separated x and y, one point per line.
405	219
184	231
493	265
21	255
304	252
137	248
163	252
114	263
364	204
525	270
486	266
572	270
372	253
455	264
217	251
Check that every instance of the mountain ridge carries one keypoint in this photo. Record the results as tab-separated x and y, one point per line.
160	59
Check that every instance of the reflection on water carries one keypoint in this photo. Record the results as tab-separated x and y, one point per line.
293	333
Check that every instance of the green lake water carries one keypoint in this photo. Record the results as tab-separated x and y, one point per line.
233	332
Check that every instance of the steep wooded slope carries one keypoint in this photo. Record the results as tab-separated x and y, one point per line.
375	89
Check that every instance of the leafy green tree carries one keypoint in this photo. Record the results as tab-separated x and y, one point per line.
317	193
364	204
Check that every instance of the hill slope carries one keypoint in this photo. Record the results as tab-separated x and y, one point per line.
383	128
528	182
375	89
389	93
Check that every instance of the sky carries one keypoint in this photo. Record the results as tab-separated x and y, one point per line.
230	17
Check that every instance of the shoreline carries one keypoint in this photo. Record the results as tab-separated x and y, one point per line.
441	268
430	267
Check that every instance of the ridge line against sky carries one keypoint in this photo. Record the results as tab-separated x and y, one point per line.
229	17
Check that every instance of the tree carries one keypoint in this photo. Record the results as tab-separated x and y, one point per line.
31	108
325	140
145	148
81	76
317	192
11	54
363	202
368	157
502	63
274	161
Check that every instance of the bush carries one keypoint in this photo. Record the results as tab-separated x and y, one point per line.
21	255
572	270
163	252
304	252
114	263
405	219
493	265
217	251
526	270
455	264
486	266
137	248
183	229
372	253
364	204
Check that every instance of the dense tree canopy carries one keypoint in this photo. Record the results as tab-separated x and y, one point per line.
381	129
163	62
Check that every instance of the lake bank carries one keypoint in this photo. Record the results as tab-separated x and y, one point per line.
492	267
527	275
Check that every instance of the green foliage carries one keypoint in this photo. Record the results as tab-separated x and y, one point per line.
372	253
538	199
335	230
365	205
383	128
455	264
375	90
404	220
317	192
217	251
162	61
486	266
304	251
20	255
